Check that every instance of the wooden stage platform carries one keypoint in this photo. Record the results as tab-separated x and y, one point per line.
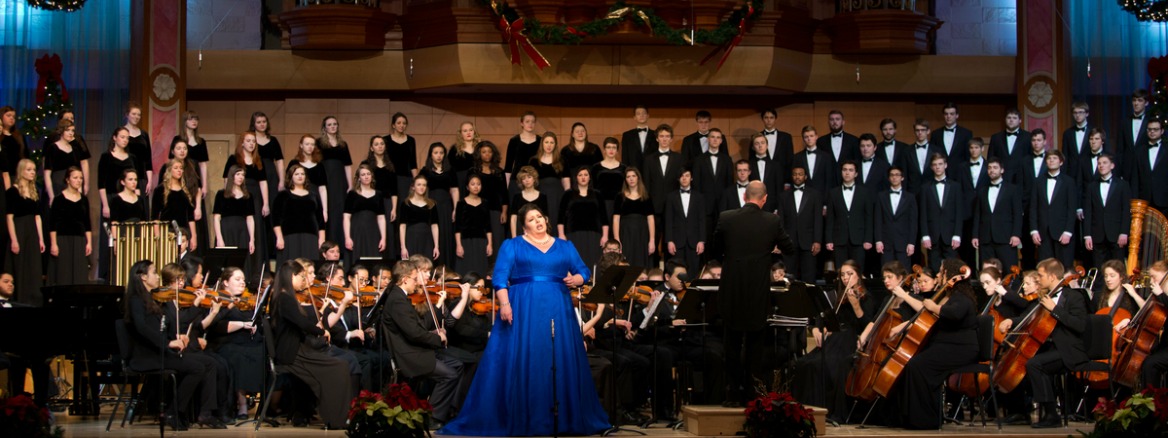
93	427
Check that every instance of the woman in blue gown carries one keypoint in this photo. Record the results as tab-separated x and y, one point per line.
512	390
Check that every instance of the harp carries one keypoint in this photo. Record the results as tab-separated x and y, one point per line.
1148	238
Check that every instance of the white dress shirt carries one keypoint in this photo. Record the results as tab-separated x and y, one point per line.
811	163
849	193
994	191
772	139
1104	189
894	195
1136	124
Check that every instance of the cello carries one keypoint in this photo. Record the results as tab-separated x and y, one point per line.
873	353
975	384
912	338
1035	327
1137	341
1117	314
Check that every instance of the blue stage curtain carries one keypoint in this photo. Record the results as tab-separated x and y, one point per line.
94	46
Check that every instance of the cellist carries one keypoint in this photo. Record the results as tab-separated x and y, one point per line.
1064	348
1156	363
952	344
1010	304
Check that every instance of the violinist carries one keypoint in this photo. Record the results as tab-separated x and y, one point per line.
1064	348
414	346
153	331
194	319
300	343
358	336
611	339
952	344
331	282
1009	304
469	324
824	369
236	338
652	336
1156	363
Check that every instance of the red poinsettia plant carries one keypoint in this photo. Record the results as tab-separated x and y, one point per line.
778	415
20	416
395	412
1143	414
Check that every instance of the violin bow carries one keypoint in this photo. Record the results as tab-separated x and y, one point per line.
429	305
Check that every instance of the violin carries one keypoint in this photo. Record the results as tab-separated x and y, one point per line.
335	293
486	306
578	295
187	295
367	296
452	288
419	297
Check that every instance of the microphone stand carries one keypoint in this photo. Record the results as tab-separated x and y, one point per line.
162	383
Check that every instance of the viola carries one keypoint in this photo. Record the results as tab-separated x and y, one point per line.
452	288
367	296
1035	327
912	338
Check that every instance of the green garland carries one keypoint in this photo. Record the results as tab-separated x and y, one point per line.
571	35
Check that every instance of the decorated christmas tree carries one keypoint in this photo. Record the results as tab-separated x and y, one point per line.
52	99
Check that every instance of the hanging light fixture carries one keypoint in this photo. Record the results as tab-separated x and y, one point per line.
57	5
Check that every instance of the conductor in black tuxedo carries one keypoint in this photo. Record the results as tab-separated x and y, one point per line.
801	211
1065	350
415	348
1053	202
997	217
1133	130
873	171
638	141
1010	143
744	239
952	138
822	173
1150	172
763	168
843	146
1106	214
896	221
849	225
685	223
942	209
1075	139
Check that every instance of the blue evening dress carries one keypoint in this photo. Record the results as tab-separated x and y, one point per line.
512	390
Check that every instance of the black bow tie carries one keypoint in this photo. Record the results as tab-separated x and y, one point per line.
922	146
1096	155
643	130
975	164
866	160
1078	129
684	191
742	186
999	185
1040	155
889	143
798	188
1105	181
894	192
941	181
703	135
1137	117
837	135
810	151
950	129
769	132
1154	145
1049	176
849	187
1011	134
760	159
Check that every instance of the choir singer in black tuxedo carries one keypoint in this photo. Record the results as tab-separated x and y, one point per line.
639	141
685	223
1106	214
896	221
997	217
1053	202
942	208
1149	162
801	210
848	230
744	239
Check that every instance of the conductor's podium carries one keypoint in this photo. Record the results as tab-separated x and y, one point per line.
711	420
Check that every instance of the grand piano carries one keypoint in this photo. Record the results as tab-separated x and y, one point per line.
76	321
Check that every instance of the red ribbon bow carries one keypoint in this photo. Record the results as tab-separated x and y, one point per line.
734	42
49	68
513	35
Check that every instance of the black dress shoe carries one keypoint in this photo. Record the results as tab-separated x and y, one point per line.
175	423
210	422
299	421
1016	420
1048	423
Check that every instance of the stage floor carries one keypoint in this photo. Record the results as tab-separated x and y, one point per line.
91	427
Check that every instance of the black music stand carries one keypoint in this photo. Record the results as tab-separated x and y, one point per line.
607	290
793	305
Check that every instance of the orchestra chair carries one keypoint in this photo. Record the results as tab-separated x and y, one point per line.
1097	339
125	349
984	365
